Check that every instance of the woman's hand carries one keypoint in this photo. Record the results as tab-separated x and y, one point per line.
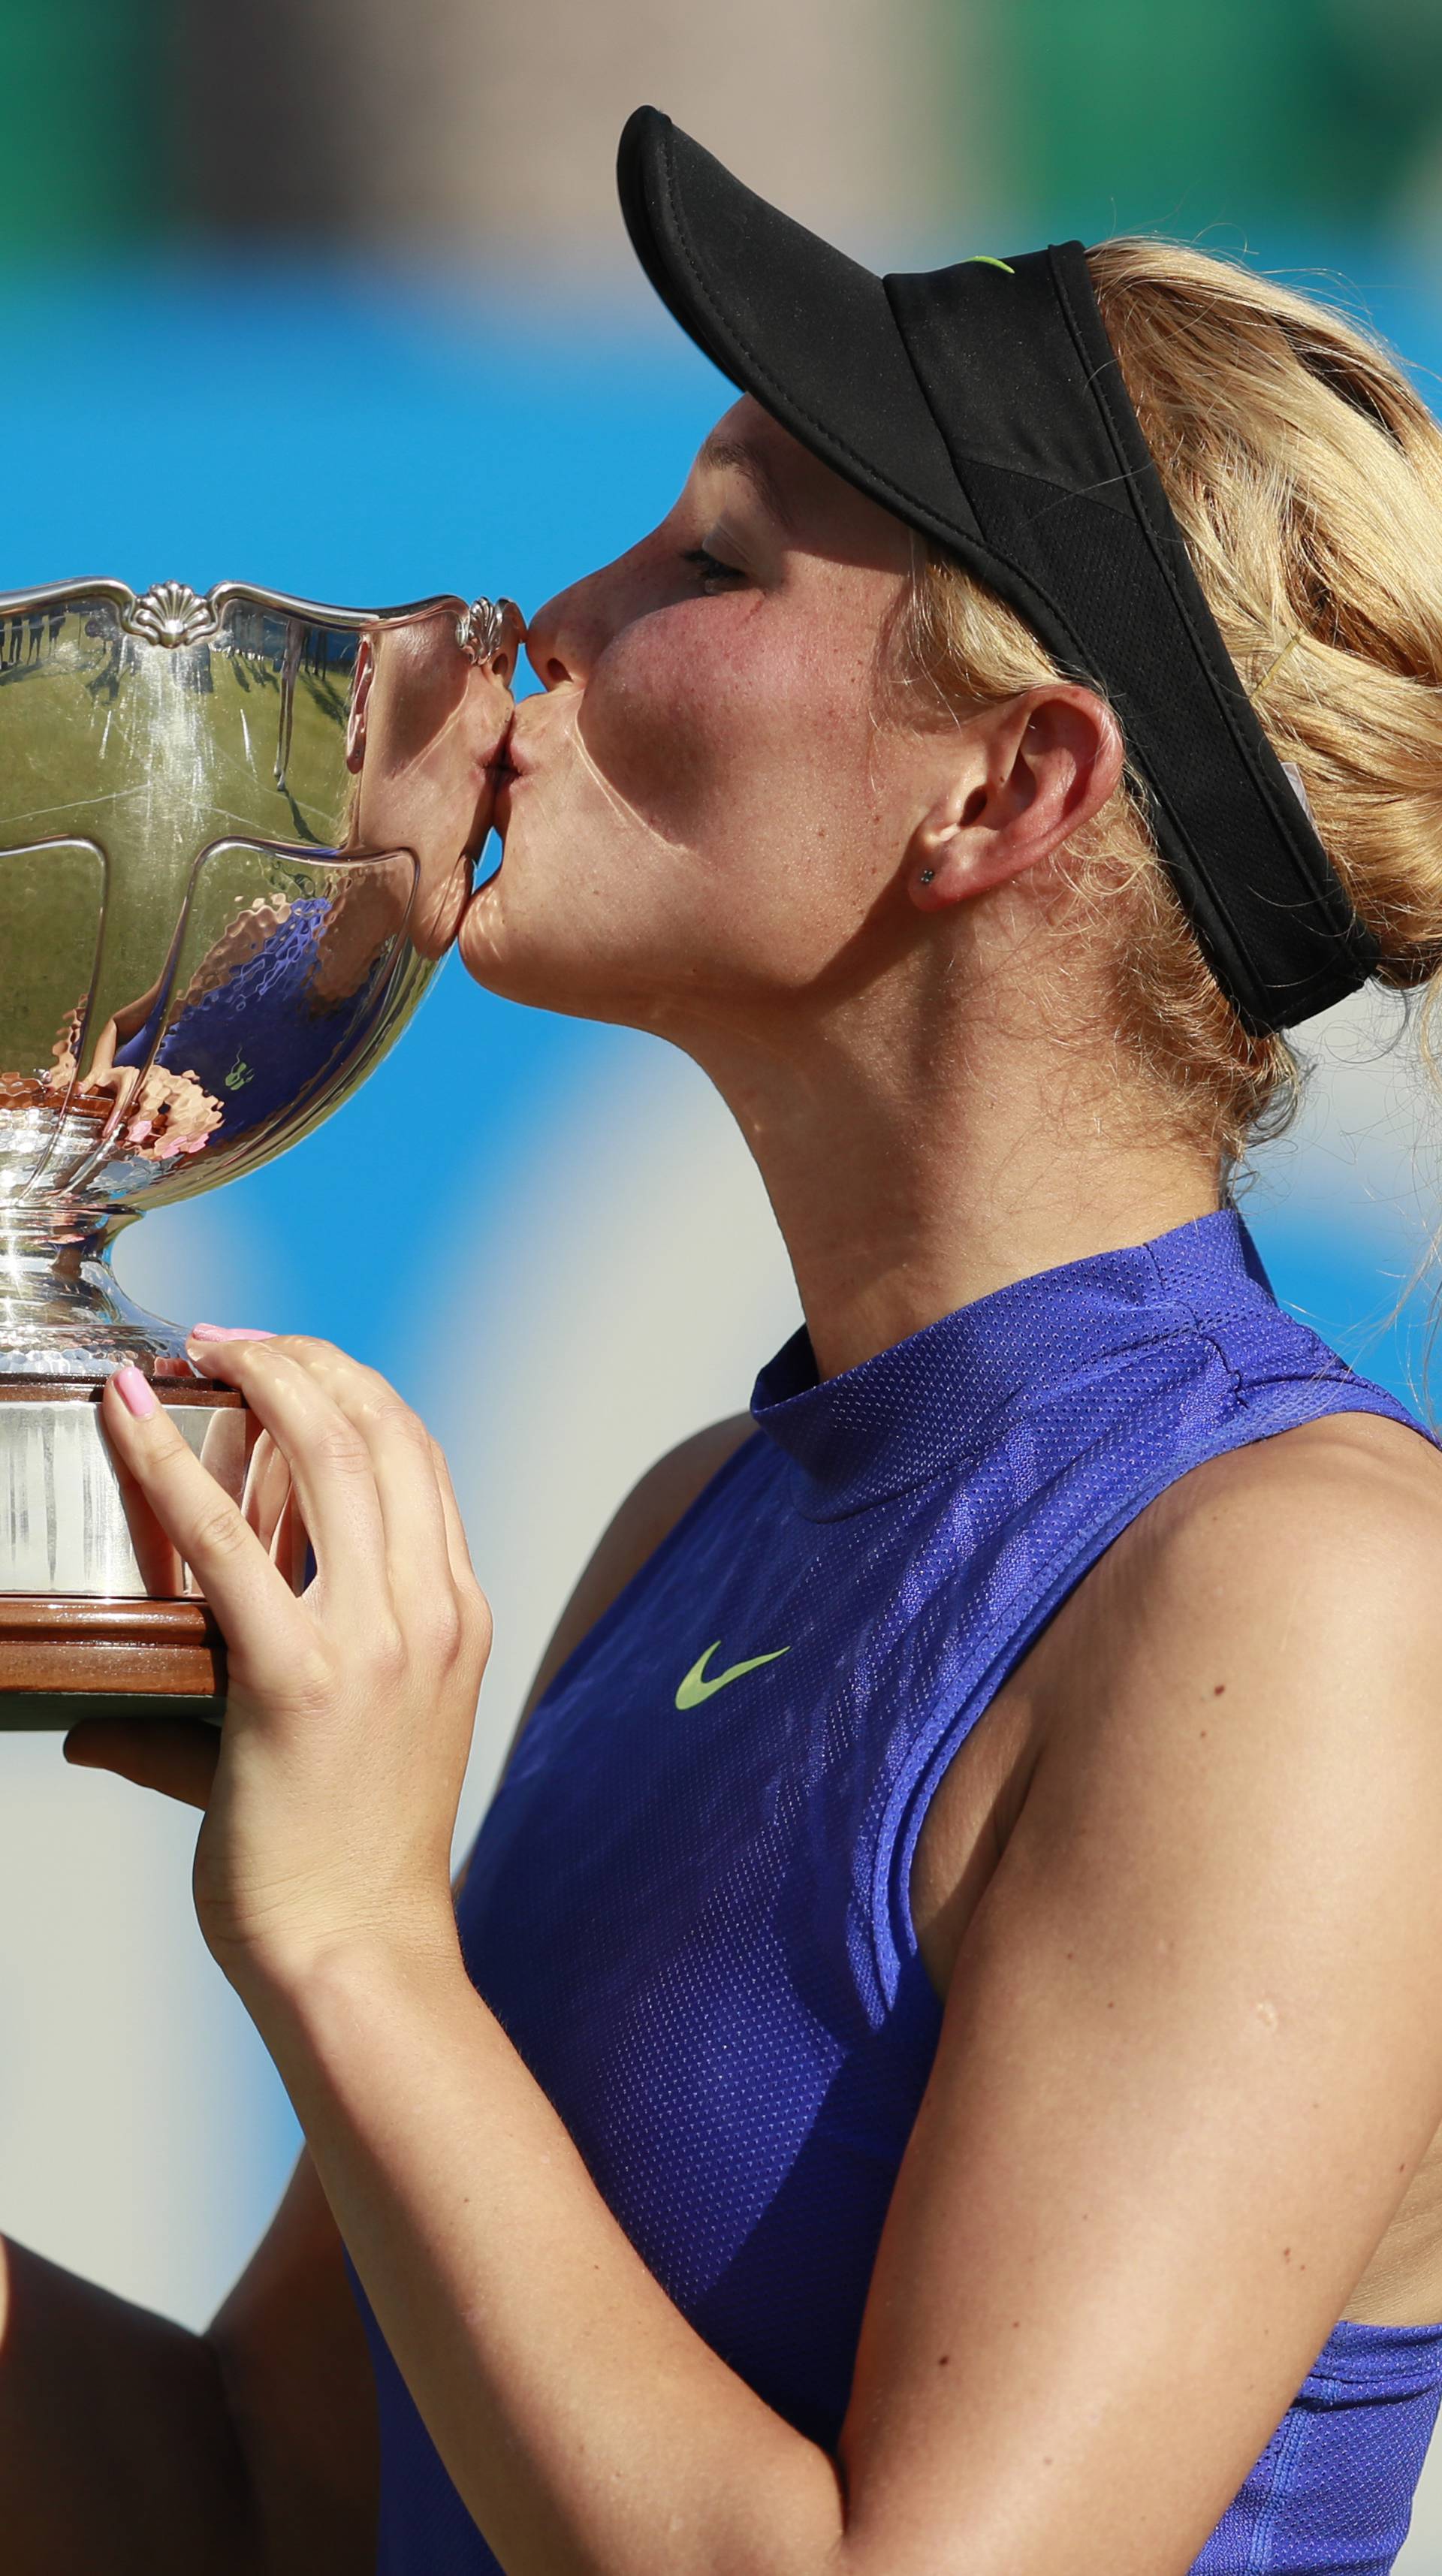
331	1792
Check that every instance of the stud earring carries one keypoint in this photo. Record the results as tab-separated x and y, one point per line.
926	875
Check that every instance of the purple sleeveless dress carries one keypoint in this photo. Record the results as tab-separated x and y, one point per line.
692	1915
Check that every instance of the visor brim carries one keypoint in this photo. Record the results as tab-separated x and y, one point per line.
793	322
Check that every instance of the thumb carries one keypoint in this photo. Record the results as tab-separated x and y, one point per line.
176	1756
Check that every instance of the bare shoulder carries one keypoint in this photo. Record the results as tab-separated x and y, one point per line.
1318	1470
1353	1499
648	1515
1299	1574
1271	1624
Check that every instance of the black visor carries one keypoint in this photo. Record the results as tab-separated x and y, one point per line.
984	405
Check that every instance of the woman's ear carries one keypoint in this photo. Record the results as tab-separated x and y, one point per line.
1039	767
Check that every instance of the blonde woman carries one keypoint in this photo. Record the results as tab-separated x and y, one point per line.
937	2061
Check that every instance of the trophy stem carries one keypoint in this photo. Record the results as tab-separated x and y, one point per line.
63	1313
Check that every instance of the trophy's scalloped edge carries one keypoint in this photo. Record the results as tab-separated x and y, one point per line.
280	603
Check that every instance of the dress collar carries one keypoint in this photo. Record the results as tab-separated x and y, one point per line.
909	1413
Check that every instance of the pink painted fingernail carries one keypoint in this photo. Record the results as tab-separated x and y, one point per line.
135	1392
231	1333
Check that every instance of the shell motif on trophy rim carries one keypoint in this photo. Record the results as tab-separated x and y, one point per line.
170	614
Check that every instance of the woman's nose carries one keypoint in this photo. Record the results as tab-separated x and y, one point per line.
553	642
566	637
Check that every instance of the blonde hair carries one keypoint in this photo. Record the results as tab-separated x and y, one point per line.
1307	477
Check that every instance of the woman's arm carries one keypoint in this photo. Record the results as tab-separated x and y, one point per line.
117	2454
129	2447
1175	2104
127	2443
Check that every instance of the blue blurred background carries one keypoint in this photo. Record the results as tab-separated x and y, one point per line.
333	296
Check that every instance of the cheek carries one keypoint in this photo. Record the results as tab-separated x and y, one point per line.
721	728
706	815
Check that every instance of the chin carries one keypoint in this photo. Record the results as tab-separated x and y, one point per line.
528	962
485	951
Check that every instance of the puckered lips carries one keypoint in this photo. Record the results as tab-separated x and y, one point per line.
493	773
510	764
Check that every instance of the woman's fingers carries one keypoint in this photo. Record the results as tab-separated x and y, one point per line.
271	1508
463	1573
161	1572
330	1462
425	1585
262	1620
351	1706
400	1451
267	1492
175	1755
393	1440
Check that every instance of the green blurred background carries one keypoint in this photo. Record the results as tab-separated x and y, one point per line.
1319	117
89	115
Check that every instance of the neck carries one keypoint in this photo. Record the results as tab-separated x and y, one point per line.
909	1178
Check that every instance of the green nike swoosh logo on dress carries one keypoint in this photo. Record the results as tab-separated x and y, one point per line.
695	1687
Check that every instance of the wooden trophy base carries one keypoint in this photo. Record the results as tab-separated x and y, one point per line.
90	1622
62	1660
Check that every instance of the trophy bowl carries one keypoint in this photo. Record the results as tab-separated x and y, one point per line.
237	833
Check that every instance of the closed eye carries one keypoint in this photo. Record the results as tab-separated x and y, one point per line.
710	566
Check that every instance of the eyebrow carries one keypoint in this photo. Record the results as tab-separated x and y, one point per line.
721	449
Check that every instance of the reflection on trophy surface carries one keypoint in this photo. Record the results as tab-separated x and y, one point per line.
236	836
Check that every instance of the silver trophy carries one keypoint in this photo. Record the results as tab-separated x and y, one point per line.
236	835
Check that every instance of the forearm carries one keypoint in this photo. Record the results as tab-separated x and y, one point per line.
586	2425
117	2452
